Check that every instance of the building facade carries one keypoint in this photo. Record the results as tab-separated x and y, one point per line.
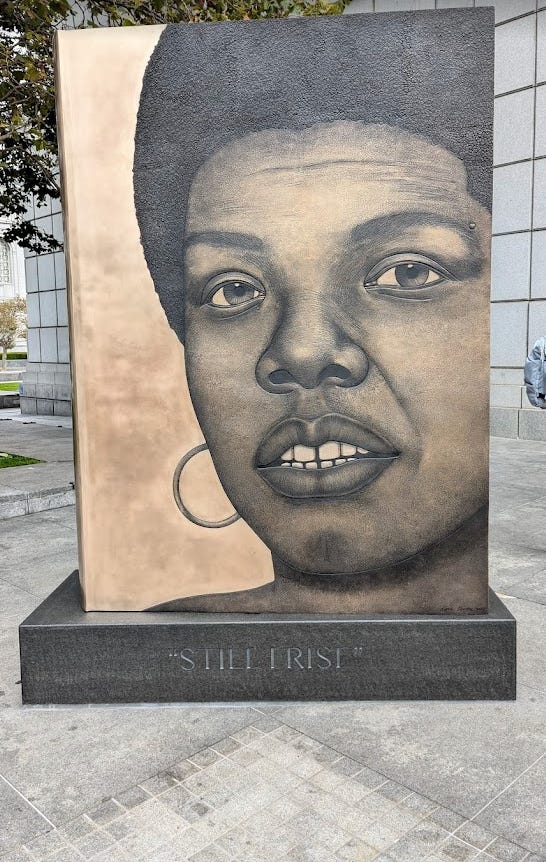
518	309
47	387
12	267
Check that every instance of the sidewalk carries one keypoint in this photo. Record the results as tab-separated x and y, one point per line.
37	487
285	782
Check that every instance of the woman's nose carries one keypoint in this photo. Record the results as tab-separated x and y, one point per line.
308	357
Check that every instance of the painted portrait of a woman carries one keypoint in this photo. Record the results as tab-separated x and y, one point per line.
314	202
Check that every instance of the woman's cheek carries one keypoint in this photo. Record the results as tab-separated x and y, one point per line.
230	344
221	369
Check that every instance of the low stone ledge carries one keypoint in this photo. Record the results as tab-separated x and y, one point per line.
532	424
16	503
13	504
12	376
54	498
9	399
504	422
527	423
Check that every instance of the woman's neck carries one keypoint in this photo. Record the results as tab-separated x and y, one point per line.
450	576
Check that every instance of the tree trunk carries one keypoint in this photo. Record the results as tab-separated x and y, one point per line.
4	359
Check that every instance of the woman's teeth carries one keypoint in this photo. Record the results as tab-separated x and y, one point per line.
330	454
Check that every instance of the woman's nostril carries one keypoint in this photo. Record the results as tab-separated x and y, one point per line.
281	376
334	372
309	378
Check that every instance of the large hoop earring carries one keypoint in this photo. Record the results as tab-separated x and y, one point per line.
200	522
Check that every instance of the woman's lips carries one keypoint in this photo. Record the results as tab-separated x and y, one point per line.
327	457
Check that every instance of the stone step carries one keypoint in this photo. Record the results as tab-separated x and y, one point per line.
12	376
526	423
8	399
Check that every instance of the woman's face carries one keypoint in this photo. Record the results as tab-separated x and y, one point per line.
336	318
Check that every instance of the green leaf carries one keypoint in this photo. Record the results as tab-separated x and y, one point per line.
28	145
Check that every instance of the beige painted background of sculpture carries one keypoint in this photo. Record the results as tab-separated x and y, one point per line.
134	418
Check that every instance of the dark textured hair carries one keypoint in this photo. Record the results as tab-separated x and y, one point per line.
430	73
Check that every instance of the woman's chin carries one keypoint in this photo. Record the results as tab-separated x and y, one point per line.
328	554
312	544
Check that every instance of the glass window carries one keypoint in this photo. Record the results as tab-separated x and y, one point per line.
5	265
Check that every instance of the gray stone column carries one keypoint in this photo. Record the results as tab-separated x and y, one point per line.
47	386
518	311
518	288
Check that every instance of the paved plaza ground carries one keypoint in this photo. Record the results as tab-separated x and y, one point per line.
390	782
36	487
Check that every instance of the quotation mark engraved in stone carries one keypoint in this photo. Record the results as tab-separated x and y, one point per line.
358	651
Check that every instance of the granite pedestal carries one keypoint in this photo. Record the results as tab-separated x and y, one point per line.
69	656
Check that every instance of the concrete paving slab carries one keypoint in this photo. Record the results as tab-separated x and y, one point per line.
519	811
532	587
42	573
38	551
502	497
531	635
6	489
36	739
19	820
516	473
461	755
57	516
15	415
32	535
521	529
226	807
36	487
65	761
10	671
476	760
37	477
517	518
510	567
15	604
38	441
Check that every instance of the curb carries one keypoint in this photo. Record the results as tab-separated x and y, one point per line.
30	502
9	400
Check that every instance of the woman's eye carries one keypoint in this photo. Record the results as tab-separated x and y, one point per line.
409	275
234	293
404	275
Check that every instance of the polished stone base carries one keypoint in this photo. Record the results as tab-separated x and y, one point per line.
69	656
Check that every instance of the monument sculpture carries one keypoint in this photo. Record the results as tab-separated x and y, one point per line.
278	243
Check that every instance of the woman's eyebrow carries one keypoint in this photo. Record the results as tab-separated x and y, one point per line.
222	238
390	226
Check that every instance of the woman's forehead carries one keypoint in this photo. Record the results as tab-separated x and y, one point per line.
324	197
320	183
379	148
